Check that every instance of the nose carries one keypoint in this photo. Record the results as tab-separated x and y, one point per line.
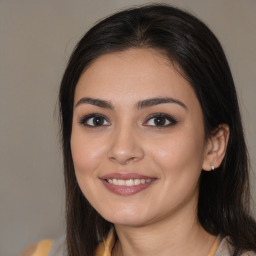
126	147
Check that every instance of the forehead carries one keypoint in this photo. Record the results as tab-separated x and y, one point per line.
133	73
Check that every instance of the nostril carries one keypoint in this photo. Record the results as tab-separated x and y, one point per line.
122	159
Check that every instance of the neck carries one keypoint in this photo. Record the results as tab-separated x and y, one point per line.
178	235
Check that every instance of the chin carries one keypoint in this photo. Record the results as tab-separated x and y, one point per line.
124	218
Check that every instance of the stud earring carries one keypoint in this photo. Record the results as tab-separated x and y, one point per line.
212	167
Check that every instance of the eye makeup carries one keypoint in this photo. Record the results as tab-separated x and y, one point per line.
160	120
155	120
94	120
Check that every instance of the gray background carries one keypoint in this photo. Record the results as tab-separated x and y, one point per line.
36	39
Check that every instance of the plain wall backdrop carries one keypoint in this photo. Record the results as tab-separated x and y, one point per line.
36	39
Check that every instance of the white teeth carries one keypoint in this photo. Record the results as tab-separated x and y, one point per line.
128	183
136	182
121	182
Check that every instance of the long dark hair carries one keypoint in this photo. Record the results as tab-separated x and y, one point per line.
223	205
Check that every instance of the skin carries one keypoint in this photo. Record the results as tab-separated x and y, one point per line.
128	140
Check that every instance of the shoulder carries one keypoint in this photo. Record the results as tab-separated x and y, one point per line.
29	250
226	249
47	247
42	248
59	247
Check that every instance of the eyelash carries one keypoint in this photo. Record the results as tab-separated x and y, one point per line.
171	120
85	119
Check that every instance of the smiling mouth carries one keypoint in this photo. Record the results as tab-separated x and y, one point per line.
129	182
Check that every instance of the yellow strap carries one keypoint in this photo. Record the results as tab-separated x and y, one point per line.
43	248
214	247
105	247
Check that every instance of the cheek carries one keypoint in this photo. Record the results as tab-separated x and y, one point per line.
179	152
180	161
86	152
87	157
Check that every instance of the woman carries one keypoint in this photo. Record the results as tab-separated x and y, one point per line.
154	153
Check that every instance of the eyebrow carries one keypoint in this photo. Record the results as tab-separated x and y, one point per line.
140	105
156	101
95	102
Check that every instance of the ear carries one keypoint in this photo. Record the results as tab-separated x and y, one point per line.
216	147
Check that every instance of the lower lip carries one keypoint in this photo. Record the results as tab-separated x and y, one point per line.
126	190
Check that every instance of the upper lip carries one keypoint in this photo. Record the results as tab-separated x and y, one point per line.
125	176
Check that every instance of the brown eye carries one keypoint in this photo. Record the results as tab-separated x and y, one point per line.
97	121
94	121
160	120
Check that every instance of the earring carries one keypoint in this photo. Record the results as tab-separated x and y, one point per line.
212	167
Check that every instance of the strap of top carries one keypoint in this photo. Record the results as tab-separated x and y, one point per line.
214	247
104	248
43	248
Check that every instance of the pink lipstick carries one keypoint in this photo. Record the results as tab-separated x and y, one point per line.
126	184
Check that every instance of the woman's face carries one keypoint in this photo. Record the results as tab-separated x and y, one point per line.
138	141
